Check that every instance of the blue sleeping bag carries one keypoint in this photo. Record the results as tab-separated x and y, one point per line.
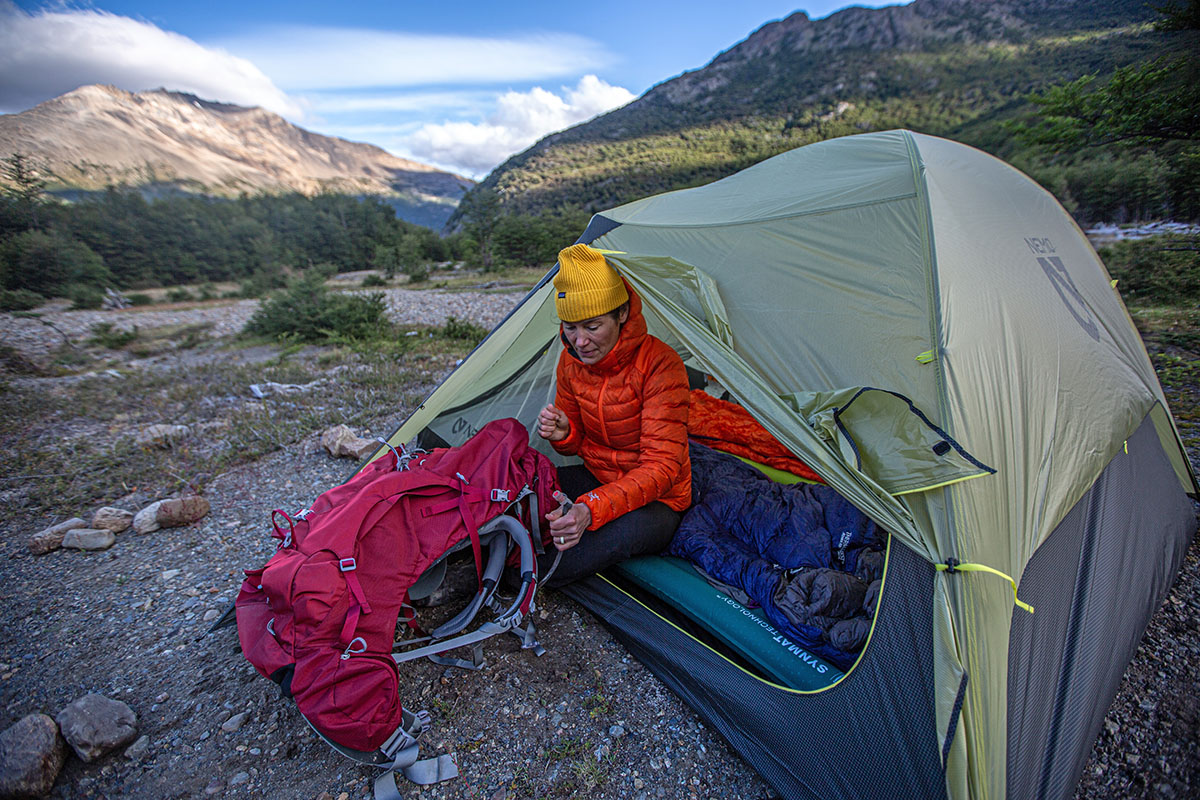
750	532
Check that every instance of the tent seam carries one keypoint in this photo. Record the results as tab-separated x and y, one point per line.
760	220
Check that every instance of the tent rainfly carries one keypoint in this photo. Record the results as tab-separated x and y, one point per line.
834	290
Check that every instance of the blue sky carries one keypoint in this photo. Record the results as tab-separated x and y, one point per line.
460	85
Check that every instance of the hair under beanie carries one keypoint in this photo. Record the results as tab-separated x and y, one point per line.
586	285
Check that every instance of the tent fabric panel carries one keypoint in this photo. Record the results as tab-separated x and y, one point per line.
1030	328
864	737
833	174
817	303
1095	582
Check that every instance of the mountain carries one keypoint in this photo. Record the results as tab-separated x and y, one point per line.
157	141
954	68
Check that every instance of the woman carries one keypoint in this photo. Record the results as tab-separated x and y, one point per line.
621	405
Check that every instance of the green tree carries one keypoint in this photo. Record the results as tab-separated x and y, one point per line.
480	210
23	187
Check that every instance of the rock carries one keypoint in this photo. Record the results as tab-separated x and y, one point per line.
341	442
181	511
239	779
88	539
112	519
93	725
31	754
211	614
51	538
139	749
162	435
146	520
236	721
170	513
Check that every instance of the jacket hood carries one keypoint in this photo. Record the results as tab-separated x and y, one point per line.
633	333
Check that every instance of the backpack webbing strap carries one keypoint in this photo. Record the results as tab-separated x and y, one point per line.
361	606
424	772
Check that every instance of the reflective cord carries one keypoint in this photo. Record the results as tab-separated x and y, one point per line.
926	357
952	565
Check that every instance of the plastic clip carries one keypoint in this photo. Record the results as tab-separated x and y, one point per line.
501	495
350	651
347	565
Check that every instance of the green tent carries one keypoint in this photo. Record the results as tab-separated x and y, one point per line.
930	331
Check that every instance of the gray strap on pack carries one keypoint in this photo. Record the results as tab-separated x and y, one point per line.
424	773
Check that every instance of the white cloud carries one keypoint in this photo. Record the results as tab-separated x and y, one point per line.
520	119
47	53
307	58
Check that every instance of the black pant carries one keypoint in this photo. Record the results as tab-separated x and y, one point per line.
644	530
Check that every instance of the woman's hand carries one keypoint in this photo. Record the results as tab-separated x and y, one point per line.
569	527
553	425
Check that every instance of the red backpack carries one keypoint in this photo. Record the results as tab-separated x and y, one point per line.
320	617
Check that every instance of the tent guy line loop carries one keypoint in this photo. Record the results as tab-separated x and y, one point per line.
953	565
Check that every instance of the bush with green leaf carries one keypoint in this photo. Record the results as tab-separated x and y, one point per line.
462	330
19	300
109	336
1161	270
307	311
83	296
373	280
139	299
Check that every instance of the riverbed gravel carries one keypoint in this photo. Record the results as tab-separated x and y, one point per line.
584	720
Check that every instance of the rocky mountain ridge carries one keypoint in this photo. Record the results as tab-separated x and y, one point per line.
99	136
952	68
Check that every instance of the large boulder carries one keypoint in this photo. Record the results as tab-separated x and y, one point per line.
88	539
94	724
112	519
341	442
171	513
52	538
31	754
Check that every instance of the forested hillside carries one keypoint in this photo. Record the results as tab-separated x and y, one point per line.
964	69
121	240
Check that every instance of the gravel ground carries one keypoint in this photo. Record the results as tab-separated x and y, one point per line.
583	720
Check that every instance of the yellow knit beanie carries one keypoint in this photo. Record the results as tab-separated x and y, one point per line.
586	286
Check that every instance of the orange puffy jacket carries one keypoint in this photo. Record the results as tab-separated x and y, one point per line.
628	415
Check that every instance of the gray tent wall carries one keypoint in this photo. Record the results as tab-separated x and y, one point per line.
925	267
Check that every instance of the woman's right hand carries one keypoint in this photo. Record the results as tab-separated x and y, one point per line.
553	425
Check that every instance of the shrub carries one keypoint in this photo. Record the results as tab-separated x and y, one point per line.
417	273
1162	270
140	299
19	300
462	330
179	294
373	280
106	335
306	311
83	296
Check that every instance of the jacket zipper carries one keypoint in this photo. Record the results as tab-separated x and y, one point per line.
600	411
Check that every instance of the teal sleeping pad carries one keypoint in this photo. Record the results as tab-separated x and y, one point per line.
746	631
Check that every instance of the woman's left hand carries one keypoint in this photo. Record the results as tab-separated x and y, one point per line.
569	527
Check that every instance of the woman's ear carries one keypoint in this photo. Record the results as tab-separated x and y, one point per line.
623	313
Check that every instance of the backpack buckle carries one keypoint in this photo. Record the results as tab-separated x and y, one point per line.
501	495
347	565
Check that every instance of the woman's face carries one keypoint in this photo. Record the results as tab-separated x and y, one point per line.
594	338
